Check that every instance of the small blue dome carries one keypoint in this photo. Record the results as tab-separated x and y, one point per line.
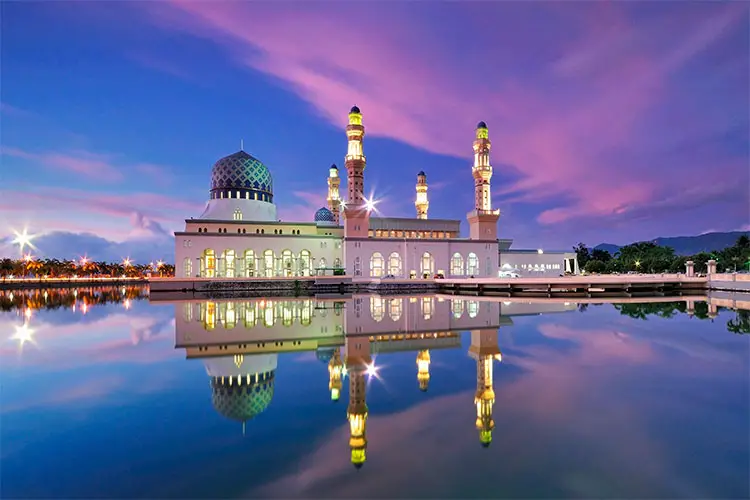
324	215
324	354
354	109
481	125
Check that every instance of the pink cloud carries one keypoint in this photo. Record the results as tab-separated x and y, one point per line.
83	163
561	131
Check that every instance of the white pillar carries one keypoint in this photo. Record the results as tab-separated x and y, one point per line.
711	264
690	268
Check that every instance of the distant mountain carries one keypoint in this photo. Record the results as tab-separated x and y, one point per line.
690	245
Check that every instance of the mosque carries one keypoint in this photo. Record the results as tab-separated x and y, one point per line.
240	236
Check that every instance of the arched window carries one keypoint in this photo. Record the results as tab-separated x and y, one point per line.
394	264
395	308
377	265
427	306
457	306
322	265
268	315
457	264
228	262
304	263
237	214
305	317
287	261
229	315
428	265
287	314
472	307
208	315
472	264
268	259
337	263
251	314
208	263
188	310
377	308
187	266
250	264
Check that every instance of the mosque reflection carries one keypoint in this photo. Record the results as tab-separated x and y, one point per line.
239	342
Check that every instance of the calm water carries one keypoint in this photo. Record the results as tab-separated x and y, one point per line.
105	394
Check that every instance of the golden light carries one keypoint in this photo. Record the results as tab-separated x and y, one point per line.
637	263
84	260
159	264
370	204
23	239
126	262
343	204
28	257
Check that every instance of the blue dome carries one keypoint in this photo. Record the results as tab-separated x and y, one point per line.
241	173
324	354
243	400
324	215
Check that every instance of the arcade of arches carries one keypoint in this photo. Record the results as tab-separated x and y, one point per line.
250	264
392	265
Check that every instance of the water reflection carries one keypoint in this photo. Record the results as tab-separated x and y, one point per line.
239	342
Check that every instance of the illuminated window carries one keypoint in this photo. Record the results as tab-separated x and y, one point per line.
188	312
287	315
251	314
209	316
428	264
457	264
305	263
394	264
427	307
395	309
229	314
208	263
377	308
187	266
322	263
457	306
237	212
268	316
287	262
376	265
250	264
268	259
472	264
472	307
228	263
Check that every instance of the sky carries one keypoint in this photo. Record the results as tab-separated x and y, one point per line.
610	122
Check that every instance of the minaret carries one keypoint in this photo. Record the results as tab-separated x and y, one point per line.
334	200
484	348
421	202
423	369
356	213
335	372
483	219
357	361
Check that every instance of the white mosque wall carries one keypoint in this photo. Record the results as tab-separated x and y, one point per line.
375	314
250	365
420	257
228	255
239	209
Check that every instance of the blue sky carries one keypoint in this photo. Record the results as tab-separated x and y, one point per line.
610	121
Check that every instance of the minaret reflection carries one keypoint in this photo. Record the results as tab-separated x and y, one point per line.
484	348
423	369
358	361
335	374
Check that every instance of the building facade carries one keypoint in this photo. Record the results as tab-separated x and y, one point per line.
239	235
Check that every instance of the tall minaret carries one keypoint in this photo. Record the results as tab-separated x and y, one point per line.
483	219
356	214
421	202
423	369
484	348
335	372
334	200
357	362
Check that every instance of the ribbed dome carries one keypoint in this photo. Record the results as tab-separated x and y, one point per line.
244	174
354	109
324	215
481	125
242	401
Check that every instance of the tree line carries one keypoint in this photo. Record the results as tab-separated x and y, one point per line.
648	257
55	268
